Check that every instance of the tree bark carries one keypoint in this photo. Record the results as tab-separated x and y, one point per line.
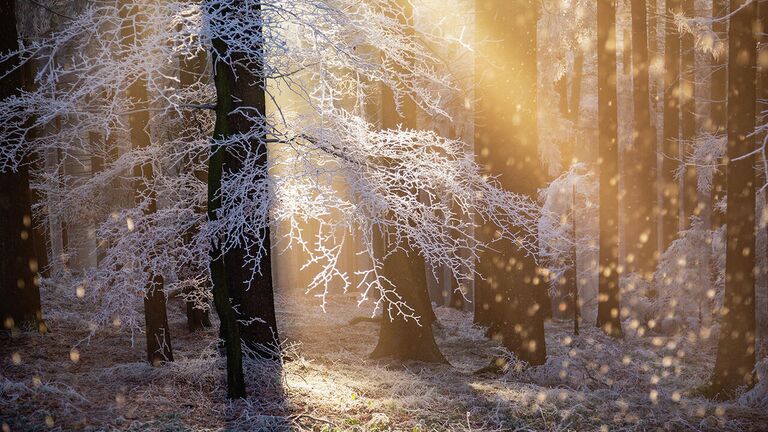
717	110
155	314
405	339
510	296
229	330
250	285
19	281
670	190
691	206
608	310
191	71
643	213
736	344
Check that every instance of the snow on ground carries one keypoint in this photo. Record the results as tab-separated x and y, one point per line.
590	382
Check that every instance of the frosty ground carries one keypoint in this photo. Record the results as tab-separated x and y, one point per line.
63	381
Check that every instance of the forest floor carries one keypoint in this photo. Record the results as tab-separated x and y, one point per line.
590	382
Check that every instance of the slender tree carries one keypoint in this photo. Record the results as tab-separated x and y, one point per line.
508	296
735	360
19	281
670	190
401	337
155	314
719	82
192	71
608	309
691	206
641	171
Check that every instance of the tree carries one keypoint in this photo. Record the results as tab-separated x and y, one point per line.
191	73
718	95
156	318
642	170
670	191
19	279
691	206
735	359
249	275
406	339
509	289
229	329
608	309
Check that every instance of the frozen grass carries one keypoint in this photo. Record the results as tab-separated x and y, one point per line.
590	382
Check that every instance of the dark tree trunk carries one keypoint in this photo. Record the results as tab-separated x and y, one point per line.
191	71
19	283
229	330
156	319
670	189
717	109
641	170
608	310
401	338
250	284
736	345
691	206
510	298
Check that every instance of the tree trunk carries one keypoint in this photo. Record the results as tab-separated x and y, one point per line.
229	330
642	215
191	71
510	297
691	205
401	338
250	284
717	110
608	309
670	189
19	282
736	345
156	319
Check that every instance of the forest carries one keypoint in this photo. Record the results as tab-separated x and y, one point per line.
384	215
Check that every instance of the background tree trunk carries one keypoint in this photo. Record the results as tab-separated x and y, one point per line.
19	281
510	297
192	71
398	337
691	205
608	310
736	344
642	167
717	109
670	189
155	314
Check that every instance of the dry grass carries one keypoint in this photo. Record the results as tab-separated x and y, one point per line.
589	383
